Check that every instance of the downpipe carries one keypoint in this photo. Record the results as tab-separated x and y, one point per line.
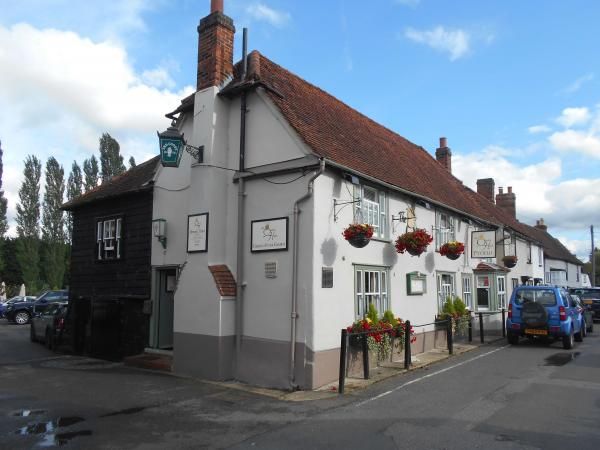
294	308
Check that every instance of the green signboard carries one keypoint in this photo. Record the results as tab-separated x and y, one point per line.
170	152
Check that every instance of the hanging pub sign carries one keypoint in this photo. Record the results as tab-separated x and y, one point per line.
269	235
171	145
483	244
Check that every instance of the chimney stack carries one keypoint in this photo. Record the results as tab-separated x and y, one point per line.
541	225
215	47
486	187
508	201
444	155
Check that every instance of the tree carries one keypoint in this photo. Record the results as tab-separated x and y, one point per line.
28	223
3	205
74	190
111	161
131	162
90	170
53	224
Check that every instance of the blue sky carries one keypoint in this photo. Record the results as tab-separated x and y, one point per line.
513	85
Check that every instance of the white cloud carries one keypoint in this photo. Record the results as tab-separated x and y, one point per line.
535	129
578	83
62	91
261	12
454	42
577	141
574	116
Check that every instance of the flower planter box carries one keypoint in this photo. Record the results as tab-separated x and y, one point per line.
359	241
453	256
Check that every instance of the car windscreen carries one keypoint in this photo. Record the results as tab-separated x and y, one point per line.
588	293
544	297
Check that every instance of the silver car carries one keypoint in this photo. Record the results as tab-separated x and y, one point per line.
47	326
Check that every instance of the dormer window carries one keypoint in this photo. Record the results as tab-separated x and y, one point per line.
108	238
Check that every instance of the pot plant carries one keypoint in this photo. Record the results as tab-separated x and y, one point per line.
510	261
358	234
452	250
414	242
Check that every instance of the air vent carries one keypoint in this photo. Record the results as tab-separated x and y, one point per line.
327	277
271	269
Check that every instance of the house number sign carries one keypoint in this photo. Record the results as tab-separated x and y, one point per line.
269	235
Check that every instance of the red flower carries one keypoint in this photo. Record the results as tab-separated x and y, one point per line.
355	229
413	241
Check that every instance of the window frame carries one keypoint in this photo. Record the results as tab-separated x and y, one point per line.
109	238
439	284
445	228
373	212
381	295
467	290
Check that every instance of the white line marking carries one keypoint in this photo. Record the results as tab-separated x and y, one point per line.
416	380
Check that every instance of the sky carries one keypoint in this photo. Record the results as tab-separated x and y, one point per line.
513	85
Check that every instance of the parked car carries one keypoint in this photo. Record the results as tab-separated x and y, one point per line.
588	315
21	312
544	311
18	298
48	326
591	297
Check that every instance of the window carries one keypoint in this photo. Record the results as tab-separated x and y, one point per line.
371	209
501	292
445	282
540	256
483	292
528	252
327	277
371	287
444	229
510	245
467	291
108	238
515	282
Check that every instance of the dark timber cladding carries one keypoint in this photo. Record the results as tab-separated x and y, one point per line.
109	294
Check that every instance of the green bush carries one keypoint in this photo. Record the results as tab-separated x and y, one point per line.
372	313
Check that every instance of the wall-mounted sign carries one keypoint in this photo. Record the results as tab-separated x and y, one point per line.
197	233
416	283
483	244
269	235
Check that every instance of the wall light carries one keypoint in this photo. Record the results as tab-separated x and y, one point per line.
159	231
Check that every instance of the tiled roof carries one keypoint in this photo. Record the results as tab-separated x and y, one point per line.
349	139
224	280
136	179
553	248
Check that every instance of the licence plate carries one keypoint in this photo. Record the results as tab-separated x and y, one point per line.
534	331
588	302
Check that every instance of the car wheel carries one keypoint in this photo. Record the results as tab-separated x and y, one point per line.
32	335
513	339
568	341
22	318
49	341
579	336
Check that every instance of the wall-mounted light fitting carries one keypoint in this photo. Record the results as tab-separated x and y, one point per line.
159	231
401	217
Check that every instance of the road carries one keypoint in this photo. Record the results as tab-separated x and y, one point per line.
495	397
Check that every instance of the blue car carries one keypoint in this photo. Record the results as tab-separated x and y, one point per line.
16	299
544	312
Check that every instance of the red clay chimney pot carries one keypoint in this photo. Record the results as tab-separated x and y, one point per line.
443	142
216	6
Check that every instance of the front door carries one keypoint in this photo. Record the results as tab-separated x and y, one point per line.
166	307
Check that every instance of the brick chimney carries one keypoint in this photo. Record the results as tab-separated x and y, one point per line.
444	155
486	187
541	225
507	201
215	47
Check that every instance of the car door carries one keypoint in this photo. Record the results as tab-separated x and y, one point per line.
573	312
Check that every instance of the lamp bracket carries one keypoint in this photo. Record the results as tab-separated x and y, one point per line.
401	217
196	152
337	204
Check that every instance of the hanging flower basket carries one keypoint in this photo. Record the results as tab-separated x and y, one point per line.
510	261
452	250
414	242
358	234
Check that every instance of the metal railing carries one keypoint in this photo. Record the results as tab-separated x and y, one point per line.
449	324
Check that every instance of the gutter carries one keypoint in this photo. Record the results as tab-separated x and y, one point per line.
294	306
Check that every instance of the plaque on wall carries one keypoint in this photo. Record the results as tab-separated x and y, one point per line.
197	233
269	235
483	244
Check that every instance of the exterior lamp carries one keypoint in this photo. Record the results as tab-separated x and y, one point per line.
171	144
159	231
